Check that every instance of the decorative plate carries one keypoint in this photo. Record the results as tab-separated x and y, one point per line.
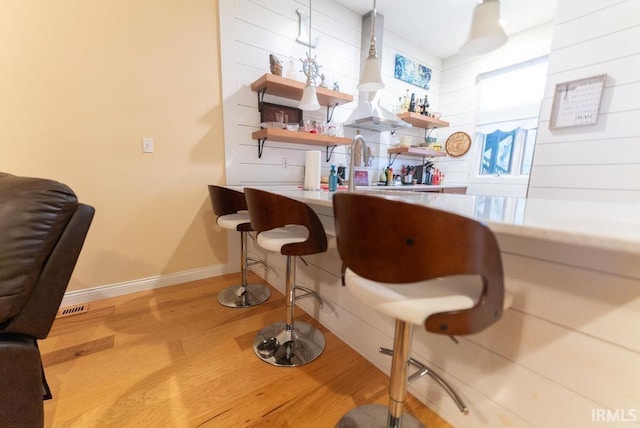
458	144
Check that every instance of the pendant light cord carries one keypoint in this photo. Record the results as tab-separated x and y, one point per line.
309	55
372	46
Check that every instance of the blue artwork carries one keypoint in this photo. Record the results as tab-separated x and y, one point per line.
411	72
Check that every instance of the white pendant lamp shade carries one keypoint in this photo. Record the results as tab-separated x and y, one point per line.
309	99
486	33
371	79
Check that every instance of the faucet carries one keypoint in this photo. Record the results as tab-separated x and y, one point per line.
356	139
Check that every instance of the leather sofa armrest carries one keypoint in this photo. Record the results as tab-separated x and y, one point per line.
22	383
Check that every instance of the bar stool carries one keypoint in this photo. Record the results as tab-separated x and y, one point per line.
293	229
421	266
231	208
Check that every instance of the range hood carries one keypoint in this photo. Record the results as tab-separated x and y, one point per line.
369	114
372	116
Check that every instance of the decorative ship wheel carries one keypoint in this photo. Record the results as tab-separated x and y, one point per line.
310	68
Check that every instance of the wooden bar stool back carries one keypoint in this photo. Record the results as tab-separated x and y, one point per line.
421	266
231	208
292	228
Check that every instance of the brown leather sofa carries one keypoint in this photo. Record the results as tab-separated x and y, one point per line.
42	230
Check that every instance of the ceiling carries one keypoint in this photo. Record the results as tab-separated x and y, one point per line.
440	27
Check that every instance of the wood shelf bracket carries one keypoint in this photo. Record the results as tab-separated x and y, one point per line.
261	142
261	93
427	133
395	155
330	153
330	110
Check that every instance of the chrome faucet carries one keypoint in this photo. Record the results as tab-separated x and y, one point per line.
358	138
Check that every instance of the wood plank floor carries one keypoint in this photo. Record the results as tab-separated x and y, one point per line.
174	357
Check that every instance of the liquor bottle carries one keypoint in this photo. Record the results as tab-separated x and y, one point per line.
406	102
412	103
425	109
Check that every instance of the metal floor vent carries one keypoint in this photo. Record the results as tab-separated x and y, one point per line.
72	310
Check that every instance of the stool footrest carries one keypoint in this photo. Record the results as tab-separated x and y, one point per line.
252	261
308	293
424	370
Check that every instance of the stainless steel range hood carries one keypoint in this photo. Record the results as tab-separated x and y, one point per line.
369	114
372	116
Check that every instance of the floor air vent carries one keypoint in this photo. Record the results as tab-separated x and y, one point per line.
72	310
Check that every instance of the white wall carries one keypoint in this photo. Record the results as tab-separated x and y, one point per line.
459	93
600	161
250	31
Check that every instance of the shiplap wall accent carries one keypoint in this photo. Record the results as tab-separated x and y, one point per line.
250	31
600	161
459	92
566	348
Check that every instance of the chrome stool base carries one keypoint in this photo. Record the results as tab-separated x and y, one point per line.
276	345
246	296
376	416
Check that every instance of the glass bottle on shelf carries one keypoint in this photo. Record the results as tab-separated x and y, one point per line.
406	102
333	179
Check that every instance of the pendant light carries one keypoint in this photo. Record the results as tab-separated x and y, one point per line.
309	99
486	33
371	78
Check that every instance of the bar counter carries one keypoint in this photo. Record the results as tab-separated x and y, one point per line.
599	225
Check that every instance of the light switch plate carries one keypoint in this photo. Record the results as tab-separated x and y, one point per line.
147	145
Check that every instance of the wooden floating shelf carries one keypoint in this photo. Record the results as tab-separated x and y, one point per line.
422	121
416	151
282	135
292	89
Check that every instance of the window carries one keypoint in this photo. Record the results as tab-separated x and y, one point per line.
508	117
497	151
507	153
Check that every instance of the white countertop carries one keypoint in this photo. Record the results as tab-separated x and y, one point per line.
601	225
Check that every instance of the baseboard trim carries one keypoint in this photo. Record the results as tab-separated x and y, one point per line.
119	289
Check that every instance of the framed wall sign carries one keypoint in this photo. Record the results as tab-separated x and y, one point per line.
577	103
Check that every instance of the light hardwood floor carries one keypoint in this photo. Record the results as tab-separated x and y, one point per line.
174	357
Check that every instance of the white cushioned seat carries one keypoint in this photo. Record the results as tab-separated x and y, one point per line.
232	221
414	302
275	239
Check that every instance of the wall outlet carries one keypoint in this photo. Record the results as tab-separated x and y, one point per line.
147	145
